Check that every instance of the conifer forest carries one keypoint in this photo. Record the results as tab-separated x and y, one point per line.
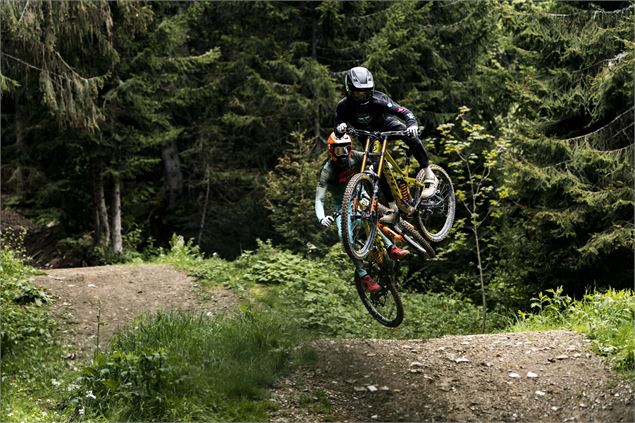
193	133
209	119
126	122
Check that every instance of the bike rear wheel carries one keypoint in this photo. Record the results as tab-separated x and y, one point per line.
415	240
435	215
384	306
359	220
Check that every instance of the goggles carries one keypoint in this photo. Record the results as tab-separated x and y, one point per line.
341	150
361	95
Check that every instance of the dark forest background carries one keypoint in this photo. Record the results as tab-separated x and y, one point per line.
126	122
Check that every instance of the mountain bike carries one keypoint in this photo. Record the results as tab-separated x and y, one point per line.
434	216
385	306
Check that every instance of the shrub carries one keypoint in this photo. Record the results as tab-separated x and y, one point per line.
320	295
23	323
30	356
606	317
182	254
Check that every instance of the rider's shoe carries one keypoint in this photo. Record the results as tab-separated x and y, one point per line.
370	285
397	253
430	183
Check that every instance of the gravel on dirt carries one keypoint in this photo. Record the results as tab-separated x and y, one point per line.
547	376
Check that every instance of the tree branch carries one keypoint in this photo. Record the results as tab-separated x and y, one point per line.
23	10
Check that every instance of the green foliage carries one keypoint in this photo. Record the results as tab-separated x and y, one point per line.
182	254
606	317
179	366
320	295
290	196
23	321
570	167
473	159
26	337
46	51
437	56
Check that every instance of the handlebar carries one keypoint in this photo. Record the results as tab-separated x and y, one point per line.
375	134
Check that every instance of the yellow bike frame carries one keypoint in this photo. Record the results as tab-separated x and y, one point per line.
392	172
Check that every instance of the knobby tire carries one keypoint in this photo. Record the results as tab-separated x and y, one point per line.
415	240
373	302
358	240
441	206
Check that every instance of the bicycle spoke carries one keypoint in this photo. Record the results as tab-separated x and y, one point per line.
359	225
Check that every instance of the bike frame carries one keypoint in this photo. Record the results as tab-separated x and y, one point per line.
379	146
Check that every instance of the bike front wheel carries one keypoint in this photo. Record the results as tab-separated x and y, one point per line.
435	215
359	218
385	306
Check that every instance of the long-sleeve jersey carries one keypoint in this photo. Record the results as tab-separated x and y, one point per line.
371	117
334	179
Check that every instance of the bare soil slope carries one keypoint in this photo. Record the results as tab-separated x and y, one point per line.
119	293
531	377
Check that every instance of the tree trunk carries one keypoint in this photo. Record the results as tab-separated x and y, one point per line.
172	171
18	176
117	243
102	228
202	226
481	276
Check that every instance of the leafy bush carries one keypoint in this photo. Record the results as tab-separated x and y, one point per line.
320	295
182	254
179	366
606	317
23	323
26	334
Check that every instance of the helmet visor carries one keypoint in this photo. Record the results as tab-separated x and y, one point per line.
361	96
341	150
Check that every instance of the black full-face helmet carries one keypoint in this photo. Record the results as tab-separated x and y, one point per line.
359	84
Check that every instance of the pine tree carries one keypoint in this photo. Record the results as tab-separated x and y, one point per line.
572	162
433	57
64	48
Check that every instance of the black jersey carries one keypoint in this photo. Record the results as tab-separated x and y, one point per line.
371	116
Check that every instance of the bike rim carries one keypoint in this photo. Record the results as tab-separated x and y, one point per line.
436	214
361	220
384	306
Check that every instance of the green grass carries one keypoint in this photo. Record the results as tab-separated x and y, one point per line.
319	294
179	366
606	317
33	370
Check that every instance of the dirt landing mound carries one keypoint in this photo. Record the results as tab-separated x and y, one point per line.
118	294
531	377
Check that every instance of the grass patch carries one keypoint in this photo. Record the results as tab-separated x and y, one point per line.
319	294
606	317
179	366
33	370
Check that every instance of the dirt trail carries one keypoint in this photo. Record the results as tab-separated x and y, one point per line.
119	293
530	377
526	377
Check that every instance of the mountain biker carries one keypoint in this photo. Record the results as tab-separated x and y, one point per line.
371	110
342	164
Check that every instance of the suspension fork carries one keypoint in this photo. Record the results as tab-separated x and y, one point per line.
380	166
381	156
366	148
